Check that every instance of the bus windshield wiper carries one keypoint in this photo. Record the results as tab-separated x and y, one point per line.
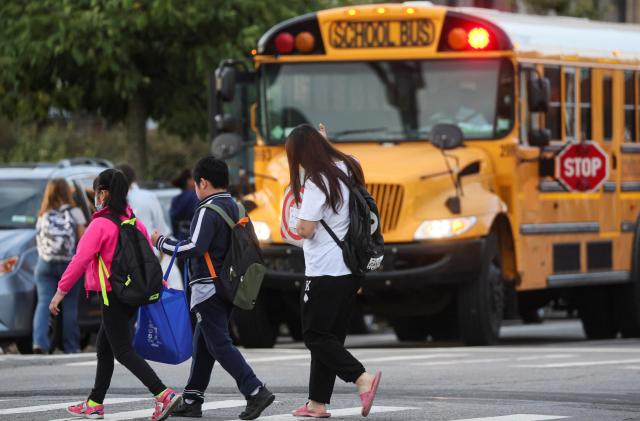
338	135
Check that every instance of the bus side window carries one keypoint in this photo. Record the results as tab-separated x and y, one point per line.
585	104
607	108
552	119
569	103
630	124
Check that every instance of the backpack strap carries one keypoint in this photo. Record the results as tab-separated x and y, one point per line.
331	233
217	209
103	274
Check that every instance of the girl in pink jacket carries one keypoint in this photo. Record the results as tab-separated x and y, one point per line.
114	337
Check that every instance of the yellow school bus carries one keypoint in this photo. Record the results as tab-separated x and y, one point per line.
458	116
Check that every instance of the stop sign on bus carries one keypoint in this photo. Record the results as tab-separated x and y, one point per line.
582	167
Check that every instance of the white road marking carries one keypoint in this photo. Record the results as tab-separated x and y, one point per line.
19	357
517	417
54	406
346	412
145	413
579	364
87	363
546	357
280	358
455	362
409	357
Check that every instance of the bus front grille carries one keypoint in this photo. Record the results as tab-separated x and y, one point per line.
389	198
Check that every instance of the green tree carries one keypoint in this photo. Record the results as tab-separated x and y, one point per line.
126	60
579	8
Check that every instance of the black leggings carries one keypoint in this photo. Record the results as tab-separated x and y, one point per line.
114	341
327	302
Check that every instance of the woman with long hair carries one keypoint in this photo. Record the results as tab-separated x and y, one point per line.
59	226
330	288
114	337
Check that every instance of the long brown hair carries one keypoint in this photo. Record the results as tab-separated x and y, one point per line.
308	149
56	194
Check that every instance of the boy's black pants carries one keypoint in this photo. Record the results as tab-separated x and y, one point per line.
115	341
211	343
327	302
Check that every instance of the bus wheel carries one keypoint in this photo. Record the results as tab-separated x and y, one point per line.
595	307
410	329
481	302
255	328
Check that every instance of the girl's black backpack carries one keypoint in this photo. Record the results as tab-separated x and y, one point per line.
136	274
363	246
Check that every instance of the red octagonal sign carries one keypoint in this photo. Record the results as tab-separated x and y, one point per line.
582	167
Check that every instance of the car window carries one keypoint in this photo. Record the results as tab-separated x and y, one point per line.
20	202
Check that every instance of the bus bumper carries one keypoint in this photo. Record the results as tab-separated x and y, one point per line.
406	266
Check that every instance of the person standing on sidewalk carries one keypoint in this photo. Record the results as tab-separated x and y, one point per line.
208	244
329	291
114	337
59	227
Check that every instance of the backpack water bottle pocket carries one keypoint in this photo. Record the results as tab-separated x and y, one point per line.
249	287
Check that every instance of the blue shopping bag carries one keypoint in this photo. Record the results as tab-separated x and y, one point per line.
163	332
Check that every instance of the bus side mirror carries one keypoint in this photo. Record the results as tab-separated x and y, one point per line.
226	82
226	145
226	123
539	137
538	89
446	136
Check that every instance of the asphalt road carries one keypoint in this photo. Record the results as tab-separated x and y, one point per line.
539	372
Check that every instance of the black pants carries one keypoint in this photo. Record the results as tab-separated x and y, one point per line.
327	302
211	343
115	341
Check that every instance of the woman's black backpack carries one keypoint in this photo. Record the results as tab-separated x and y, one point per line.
363	246
136	274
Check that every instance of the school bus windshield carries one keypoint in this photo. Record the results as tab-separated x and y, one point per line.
388	100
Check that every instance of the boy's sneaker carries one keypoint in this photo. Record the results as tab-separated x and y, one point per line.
188	410
85	411
165	404
256	404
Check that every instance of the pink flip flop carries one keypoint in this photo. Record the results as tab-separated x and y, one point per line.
367	397
303	411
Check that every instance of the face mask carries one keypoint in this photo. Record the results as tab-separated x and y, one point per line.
99	206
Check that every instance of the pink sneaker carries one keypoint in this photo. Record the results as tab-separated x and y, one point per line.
165	404
367	397
85	411
304	411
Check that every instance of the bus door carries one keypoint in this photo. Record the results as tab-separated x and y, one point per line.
608	131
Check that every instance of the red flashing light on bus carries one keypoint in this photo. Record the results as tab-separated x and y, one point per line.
284	43
305	42
478	38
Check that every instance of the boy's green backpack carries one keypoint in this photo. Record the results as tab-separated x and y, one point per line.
243	269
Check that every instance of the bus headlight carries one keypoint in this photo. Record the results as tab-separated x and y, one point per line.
444	228
263	232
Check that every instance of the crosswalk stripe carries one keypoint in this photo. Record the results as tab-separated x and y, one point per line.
280	358
409	357
517	417
144	413
545	357
345	412
579	364
456	362
51	407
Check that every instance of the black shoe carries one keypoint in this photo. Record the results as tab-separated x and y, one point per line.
189	410
256	404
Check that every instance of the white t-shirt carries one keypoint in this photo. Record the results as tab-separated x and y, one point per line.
322	256
147	208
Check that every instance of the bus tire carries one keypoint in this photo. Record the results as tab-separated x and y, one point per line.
481	302
255	328
627	297
410	329
595	307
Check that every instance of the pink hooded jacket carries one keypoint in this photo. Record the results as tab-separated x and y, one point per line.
101	237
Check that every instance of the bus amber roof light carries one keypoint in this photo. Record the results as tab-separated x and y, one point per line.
457	38
284	43
410	11
478	38
351	12
305	42
381	10
254	52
